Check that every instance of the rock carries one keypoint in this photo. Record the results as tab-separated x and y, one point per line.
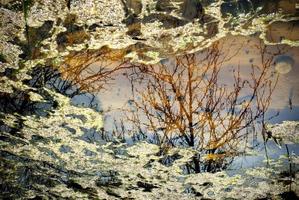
192	9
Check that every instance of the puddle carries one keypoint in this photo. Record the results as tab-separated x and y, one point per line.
150	99
129	86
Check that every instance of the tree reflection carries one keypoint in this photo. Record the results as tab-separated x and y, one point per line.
185	104
91	71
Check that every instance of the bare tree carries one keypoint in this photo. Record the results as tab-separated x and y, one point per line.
185	103
91	71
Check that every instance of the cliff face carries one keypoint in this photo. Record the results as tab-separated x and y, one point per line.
51	149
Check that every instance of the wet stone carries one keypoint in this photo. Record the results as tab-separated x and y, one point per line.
35	170
207	2
134	25
48	152
94	27
34	36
